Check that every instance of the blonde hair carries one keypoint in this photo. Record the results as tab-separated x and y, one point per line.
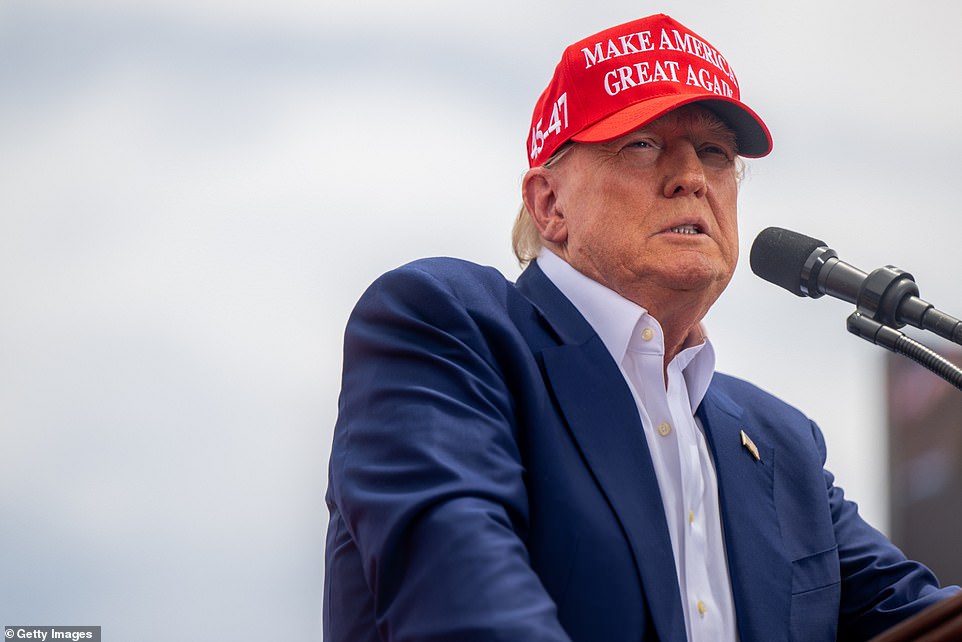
525	237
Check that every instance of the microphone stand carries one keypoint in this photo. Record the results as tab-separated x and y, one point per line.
897	342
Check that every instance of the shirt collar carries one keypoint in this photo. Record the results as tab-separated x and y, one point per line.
611	315
617	320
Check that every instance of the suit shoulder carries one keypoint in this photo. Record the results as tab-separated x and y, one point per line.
751	397
452	270
786	425
463	280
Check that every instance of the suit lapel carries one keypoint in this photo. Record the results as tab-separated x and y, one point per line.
760	572
603	419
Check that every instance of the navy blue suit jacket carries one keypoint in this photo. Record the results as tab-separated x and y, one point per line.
490	480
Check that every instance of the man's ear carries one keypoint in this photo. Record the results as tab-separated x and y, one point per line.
539	192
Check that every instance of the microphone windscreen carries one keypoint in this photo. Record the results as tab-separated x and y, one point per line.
779	256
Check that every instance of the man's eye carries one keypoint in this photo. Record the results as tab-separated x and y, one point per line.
715	150
716	155
643	144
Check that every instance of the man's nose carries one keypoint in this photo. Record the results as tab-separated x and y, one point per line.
685	174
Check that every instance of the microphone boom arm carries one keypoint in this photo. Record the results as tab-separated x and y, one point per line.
890	338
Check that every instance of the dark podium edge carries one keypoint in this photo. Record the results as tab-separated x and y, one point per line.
940	622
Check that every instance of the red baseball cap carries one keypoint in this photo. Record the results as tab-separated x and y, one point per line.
615	81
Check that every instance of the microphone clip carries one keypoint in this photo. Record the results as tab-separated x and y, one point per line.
884	293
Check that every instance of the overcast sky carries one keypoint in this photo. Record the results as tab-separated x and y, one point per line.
194	194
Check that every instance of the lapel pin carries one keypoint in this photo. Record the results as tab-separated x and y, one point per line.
750	445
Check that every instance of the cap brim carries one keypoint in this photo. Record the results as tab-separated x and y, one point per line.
754	139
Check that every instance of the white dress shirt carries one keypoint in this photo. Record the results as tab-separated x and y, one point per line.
679	452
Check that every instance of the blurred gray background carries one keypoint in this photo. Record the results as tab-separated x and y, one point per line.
194	194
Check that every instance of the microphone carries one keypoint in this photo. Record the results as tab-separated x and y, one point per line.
808	267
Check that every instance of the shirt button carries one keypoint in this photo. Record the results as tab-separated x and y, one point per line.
664	429
647	334
701	608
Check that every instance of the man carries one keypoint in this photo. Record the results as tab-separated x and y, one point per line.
557	459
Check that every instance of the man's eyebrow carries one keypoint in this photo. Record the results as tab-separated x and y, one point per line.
718	127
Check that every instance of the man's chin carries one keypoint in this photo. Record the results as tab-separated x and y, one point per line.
698	272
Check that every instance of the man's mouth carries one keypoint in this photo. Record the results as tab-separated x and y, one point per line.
686	229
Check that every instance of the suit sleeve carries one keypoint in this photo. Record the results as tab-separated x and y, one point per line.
880	586
426	471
